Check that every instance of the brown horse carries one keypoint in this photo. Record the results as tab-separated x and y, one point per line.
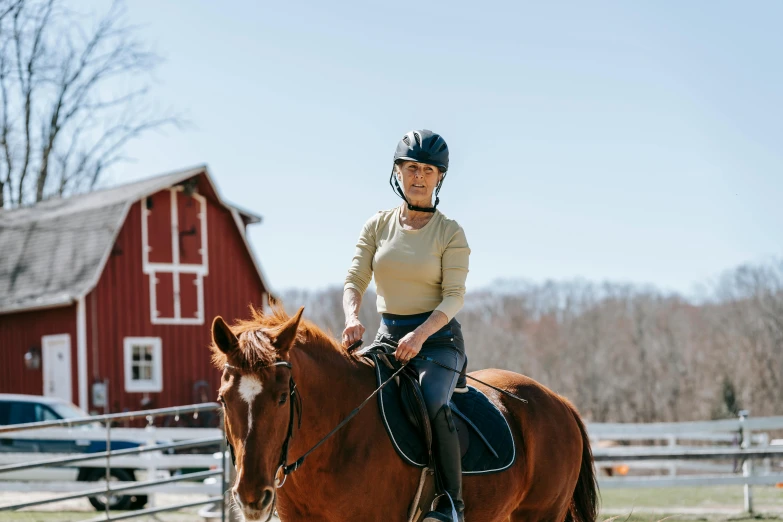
356	474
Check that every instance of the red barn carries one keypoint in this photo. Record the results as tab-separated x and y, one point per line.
106	298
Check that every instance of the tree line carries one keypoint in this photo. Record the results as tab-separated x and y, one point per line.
621	353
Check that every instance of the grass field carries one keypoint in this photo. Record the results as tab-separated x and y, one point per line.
688	517
725	497
711	504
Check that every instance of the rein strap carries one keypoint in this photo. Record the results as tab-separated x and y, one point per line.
298	462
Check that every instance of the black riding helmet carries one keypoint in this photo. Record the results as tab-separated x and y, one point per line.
421	146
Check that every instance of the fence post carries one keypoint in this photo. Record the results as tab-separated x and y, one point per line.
672	440
747	464
151	457
762	440
108	468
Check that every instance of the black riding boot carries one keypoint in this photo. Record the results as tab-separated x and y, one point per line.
448	462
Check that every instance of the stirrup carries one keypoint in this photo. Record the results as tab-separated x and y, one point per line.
436	516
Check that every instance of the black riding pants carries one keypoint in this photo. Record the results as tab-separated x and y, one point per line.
445	346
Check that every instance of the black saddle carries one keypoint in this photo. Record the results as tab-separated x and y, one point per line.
485	437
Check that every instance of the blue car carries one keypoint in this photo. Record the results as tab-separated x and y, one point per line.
22	409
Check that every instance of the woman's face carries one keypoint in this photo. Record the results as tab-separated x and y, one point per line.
418	181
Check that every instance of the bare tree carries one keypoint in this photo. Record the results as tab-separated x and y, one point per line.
72	95
749	321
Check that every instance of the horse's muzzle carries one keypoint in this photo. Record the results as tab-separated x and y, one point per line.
256	506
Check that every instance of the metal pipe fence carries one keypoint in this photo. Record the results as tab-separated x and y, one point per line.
61	461
124	487
120	489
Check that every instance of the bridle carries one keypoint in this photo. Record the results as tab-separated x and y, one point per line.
295	409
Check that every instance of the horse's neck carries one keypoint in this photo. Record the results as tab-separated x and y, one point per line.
331	386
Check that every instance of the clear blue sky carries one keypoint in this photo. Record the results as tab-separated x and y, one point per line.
625	141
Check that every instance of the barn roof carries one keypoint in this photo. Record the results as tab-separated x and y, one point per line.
53	253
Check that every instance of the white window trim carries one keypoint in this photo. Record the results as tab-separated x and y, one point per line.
156	384
175	268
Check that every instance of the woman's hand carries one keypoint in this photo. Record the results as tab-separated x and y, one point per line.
353	331
409	346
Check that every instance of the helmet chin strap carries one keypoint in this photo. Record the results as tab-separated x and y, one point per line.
422	209
398	190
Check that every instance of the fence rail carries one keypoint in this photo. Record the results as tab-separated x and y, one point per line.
653	453
659	430
121	487
61	461
81	433
162	462
172	486
152	511
110	417
689	481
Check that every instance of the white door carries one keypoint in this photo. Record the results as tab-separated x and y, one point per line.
57	366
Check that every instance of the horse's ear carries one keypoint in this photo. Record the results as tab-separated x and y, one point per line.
283	336
223	337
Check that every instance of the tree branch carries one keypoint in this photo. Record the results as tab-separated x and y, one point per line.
26	70
5	132
57	126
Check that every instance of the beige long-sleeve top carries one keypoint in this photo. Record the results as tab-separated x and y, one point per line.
416	271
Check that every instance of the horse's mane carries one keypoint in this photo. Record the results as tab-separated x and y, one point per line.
255	347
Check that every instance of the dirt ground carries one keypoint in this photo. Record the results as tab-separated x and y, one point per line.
81	509
714	504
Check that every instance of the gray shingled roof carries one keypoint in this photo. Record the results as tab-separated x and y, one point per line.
53	252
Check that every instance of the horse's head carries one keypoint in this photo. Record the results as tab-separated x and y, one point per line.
255	394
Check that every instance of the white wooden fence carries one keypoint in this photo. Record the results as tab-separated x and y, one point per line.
726	449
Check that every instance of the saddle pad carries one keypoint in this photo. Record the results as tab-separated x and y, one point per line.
473	406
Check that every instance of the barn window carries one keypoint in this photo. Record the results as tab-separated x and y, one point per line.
143	364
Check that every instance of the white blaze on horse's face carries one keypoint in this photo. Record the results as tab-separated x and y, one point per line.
250	387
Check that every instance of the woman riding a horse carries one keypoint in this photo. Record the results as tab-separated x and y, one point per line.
420	261
290	391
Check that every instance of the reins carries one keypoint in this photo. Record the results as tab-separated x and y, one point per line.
298	462
389	343
296	399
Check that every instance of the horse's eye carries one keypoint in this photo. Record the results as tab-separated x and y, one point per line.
283	398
